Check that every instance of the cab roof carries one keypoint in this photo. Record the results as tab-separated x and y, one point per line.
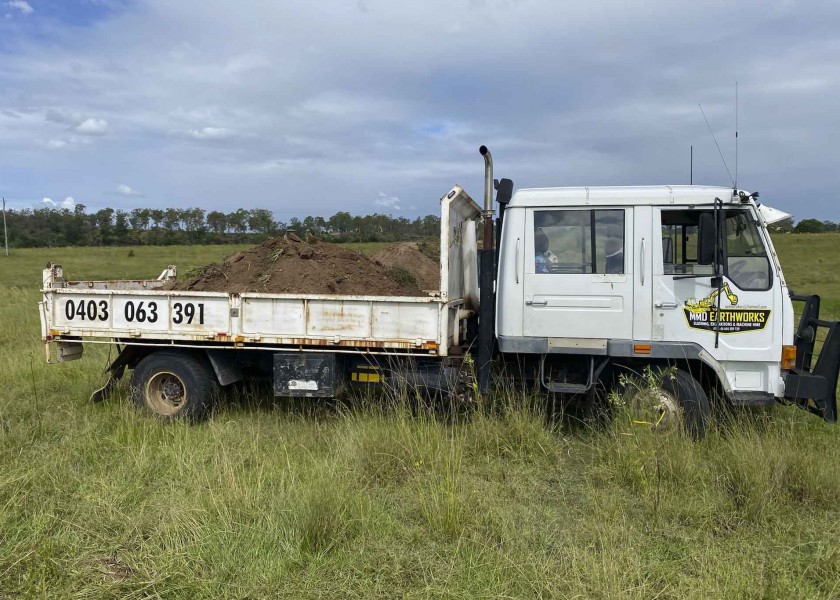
623	195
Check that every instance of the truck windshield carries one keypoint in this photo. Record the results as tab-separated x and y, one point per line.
747	265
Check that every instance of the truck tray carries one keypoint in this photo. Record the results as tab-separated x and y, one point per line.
140	312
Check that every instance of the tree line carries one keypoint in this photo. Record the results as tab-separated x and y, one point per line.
804	226
53	227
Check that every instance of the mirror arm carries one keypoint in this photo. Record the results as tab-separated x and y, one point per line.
719	251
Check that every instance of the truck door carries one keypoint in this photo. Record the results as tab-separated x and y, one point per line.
733	319
578	273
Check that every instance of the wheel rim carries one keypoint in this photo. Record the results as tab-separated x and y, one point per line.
668	409
166	393
656	408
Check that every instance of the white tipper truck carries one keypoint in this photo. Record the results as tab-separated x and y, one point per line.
571	288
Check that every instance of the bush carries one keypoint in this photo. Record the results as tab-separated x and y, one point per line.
402	276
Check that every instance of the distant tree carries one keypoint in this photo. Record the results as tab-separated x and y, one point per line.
431	226
157	216
831	226
783	226
261	220
193	219
104	221
809	226
139	219
340	222
238	221
310	225
171	219
217	222
121	227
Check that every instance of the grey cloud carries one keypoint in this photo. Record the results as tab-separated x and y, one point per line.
207	134
92	127
342	100
388	201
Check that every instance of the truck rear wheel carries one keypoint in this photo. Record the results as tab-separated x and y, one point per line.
174	385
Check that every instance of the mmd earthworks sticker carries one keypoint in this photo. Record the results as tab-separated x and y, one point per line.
704	314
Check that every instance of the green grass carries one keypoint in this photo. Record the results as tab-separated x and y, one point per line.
376	500
810	263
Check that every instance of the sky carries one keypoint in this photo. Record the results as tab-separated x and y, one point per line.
309	108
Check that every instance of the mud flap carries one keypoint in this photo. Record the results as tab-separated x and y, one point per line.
115	372
104	392
814	387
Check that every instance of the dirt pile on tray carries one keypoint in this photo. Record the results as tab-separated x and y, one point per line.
406	255
289	265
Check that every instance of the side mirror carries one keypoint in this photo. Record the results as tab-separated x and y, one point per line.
504	191
706	239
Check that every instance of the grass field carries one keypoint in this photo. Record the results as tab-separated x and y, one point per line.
309	500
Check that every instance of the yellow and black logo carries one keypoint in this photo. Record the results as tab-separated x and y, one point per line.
705	314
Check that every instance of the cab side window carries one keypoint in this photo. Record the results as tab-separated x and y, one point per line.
679	244
747	264
578	241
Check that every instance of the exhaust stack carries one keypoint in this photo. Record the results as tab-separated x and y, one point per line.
487	267
487	214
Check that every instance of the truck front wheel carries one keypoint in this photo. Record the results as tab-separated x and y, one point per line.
173	385
678	400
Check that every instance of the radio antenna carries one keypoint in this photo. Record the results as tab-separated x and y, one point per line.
725	166
735	183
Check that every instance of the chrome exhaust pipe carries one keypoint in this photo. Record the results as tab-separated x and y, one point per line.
488	178
488	197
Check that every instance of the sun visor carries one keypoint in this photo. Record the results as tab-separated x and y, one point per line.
772	215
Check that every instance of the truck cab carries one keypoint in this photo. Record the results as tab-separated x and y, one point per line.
633	275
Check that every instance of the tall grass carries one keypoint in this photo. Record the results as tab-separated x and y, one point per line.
390	497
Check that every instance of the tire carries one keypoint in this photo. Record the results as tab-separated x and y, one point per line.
692	400
174	385
679	401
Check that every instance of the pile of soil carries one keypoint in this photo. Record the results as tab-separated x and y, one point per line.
406	255
289	265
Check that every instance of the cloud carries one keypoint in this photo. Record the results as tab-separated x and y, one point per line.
68	203
374	101
92	127
22	5
62	117
48	202
126	190
208	133
387	201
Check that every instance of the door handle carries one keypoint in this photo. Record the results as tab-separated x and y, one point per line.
666	305
516	264
536	302
642	263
